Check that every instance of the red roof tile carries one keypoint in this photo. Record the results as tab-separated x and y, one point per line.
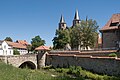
115	18
42	48
24	42
16	45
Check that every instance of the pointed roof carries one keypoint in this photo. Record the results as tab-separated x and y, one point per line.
62	19
76	17
115	19
42	48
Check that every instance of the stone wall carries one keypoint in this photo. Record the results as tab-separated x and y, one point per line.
109	39
104	65
17	60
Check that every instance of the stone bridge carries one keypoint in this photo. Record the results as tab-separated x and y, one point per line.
21	60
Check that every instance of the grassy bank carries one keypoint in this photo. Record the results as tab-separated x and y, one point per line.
8	72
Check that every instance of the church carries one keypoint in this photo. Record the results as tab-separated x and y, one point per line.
63	25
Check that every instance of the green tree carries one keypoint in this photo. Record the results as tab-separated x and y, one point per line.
84	35
61	38
8	39
16	52
29	48
36	42
75	36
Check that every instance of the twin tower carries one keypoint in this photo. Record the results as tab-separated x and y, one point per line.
62	24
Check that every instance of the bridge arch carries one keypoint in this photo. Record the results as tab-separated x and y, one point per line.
28	64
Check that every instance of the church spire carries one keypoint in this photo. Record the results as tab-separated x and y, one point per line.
62	24
76	18
62	19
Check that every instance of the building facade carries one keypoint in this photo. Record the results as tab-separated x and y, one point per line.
7	48
111	33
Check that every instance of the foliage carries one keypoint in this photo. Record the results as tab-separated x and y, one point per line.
8	39
84	35
112	55
36	42
75	36
8	72
81	74
61	39
16	52
29	48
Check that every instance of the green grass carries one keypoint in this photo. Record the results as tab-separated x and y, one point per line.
8	72
81	74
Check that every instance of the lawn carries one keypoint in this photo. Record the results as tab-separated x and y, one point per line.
8	72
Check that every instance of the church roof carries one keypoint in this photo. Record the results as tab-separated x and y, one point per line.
62	19
113	23
76	17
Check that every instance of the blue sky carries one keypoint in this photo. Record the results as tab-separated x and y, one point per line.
25	19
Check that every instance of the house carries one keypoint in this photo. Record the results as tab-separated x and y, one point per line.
24	42
7	48
111	33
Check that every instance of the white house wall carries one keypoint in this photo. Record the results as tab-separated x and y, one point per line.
7	50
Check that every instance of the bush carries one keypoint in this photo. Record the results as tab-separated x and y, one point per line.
112	55
16	52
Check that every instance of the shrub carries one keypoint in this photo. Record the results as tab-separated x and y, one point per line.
16	52
112	55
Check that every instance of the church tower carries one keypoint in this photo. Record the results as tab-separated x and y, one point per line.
76	18
62	24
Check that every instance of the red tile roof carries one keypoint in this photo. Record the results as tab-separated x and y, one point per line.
115	18
42	48
16	45
24	42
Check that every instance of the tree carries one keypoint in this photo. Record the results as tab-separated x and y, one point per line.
16	52
84	35
36	42
8	39
29	48
61	38
75	36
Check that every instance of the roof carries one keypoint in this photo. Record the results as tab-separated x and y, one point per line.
114	19
16	45
76	17
1	42
42	48
62	19
24	42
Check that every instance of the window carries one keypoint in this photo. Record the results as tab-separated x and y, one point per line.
10	52
4	46
114	24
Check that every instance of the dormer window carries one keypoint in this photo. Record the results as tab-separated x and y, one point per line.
114	24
